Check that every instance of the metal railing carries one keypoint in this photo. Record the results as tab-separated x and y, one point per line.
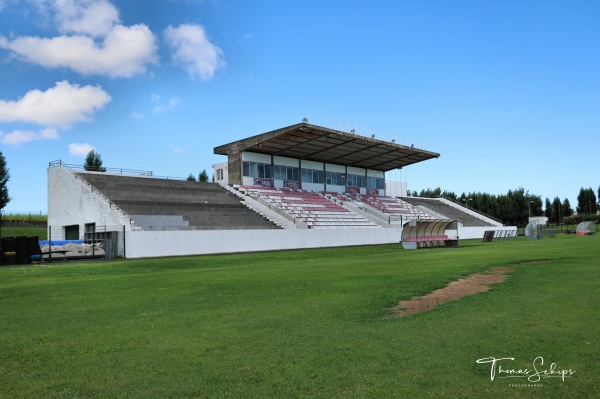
120	171
278	210
386	217
102	169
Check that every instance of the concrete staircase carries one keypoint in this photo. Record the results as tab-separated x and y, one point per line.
163	204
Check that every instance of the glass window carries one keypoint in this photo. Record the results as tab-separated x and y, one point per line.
255	169
319	176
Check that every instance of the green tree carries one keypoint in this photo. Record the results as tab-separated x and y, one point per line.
549	212
558	210
586	201
566	208
191	177
4	178
203	176
93	162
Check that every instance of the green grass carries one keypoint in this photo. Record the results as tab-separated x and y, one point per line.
299	324
41	232
26	217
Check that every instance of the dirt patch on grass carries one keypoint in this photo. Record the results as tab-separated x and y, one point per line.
470	285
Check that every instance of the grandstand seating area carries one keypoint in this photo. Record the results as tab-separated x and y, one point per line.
448	211
391	206
163	204
312	209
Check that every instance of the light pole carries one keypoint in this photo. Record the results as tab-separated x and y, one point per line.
529	208
466	202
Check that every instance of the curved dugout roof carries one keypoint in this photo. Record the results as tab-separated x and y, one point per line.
316	143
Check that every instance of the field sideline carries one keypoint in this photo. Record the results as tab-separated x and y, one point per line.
307	323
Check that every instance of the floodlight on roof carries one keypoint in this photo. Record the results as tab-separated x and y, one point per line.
372	136
352	131
304	120
393	141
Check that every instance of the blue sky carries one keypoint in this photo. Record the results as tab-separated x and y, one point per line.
508	92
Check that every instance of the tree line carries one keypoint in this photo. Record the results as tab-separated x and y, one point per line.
515	207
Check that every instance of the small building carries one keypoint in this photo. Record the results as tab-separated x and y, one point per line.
541	220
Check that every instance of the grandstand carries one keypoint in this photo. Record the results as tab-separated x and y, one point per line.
313	209
395	207
167	204
450	210
301	186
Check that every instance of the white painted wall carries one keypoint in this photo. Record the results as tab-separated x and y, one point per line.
356	171
255	157
541	220
336	189
312	165
316	187
375	173
225	168
331	167
466	233
285	161
72	201
142	244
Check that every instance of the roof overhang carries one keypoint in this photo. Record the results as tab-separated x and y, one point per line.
316	143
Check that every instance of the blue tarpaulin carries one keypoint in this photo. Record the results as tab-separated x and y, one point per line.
60	242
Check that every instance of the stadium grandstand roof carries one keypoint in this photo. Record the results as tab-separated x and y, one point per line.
321	144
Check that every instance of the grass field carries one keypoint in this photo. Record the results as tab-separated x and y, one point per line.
302	324
41	232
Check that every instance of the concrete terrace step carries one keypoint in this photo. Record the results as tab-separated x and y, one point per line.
451	211
162	204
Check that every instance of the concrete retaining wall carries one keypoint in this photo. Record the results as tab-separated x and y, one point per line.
142	244
73	202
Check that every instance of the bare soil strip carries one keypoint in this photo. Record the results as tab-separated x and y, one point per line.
470	285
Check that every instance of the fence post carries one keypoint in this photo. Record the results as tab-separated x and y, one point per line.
94	240
49	243
124	254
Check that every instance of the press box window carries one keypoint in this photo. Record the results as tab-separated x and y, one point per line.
256	169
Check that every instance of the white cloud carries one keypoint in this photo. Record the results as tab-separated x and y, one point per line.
80	149
90	17
125	51
17	137
171	104
93	41
62	105
192	49
137	115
